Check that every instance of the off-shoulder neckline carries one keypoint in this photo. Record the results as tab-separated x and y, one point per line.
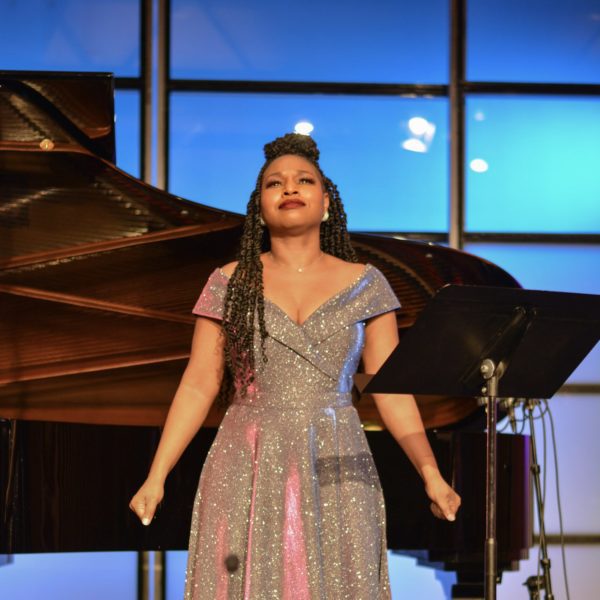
345	290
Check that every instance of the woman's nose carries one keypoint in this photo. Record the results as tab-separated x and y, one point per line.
289	186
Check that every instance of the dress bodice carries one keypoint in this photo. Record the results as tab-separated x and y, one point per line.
310	364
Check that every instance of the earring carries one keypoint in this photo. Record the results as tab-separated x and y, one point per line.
325	216
261	221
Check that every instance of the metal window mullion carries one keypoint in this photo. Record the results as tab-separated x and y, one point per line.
162	101
146	56
457	122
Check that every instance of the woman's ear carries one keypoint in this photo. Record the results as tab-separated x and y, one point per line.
325	202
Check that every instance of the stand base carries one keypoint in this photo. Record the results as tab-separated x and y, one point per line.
470	586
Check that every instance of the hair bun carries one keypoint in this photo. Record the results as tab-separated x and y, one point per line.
292	143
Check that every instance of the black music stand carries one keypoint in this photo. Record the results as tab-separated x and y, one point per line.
468	338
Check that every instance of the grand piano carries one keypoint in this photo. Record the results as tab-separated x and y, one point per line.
98	274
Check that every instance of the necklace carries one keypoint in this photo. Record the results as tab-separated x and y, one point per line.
299	269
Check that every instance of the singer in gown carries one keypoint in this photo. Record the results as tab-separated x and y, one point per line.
289	493
289	505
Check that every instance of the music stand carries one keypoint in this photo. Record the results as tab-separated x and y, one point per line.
468	338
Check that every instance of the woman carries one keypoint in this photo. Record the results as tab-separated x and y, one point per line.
289	503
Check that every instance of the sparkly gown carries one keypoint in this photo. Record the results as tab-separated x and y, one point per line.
289	504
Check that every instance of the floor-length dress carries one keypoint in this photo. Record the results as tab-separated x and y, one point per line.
289	504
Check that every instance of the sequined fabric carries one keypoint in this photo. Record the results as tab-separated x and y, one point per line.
289	504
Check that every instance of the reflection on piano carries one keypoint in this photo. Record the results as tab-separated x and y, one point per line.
98	274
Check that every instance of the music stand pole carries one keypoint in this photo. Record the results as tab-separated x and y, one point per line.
491	372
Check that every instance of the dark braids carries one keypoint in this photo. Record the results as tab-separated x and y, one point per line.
244	300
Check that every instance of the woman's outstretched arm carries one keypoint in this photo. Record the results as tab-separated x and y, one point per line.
197	390
401	416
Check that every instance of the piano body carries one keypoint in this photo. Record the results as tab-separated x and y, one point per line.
98	274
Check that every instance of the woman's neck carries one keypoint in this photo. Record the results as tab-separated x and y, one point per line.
295	253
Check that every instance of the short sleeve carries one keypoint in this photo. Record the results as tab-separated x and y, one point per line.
212	298
374	296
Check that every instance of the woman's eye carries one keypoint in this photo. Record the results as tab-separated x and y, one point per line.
307	180
272	183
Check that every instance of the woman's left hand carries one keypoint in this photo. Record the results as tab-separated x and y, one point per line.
444	500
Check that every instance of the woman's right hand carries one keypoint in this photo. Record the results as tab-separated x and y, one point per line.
145	501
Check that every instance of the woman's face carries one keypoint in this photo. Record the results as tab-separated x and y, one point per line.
292	194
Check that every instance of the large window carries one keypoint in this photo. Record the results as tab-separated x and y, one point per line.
381	42
216	151
532	164
544	41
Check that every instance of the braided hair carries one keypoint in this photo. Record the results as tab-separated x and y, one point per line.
244	300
